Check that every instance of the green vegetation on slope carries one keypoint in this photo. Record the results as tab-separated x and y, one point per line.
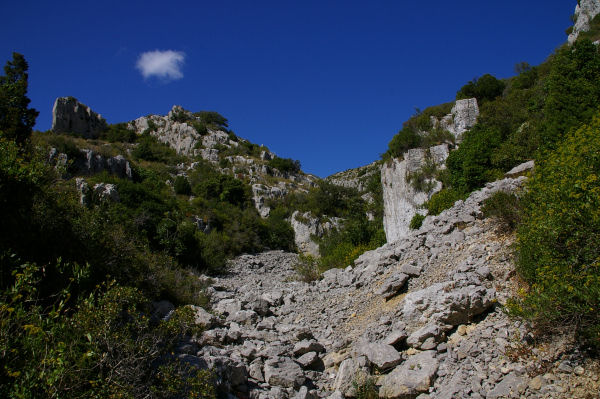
559	238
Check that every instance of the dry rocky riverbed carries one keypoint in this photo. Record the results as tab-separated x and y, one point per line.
418	318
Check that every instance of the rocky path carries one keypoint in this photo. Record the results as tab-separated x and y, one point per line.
421	317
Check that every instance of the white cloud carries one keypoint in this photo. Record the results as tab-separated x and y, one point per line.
161	64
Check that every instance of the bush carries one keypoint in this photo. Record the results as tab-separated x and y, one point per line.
285	165
307	268
119	133
182	186
104	345
505	207
442	200
559	239
403	141
150	149
485	88
212	119
417	221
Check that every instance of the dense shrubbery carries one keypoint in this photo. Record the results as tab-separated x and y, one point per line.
68	330
285	165
417	221
559	238
485	88
119	133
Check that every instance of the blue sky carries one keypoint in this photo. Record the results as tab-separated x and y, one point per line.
325	82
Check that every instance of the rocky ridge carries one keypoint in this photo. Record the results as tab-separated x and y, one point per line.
585	11
219	148
418	317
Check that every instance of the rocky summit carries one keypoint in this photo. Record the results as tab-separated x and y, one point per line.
420	317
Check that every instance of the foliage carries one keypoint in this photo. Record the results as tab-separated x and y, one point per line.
212	119
285	165
16	119
419	131
485	88
307	268
105	345
403	141
572	90
558	240
442	200
182	186
416	222
365	388
150	149
119	133
505	207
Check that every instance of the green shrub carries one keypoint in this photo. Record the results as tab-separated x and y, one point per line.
285	165
505	207
212	119
150	149
559	239
485	88
104	345
417	221
442	200
119	133
307	268
182	186
403	141
365	388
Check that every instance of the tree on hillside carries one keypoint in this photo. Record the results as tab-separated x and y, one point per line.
16	119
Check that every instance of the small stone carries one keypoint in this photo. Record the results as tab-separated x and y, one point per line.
536	383
578	370
462	330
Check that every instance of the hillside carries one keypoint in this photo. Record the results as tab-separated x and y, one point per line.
168	257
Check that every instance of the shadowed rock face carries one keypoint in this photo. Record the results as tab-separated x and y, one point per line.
71	116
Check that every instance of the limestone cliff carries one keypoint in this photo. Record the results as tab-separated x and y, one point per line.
585	11
71	116
402	199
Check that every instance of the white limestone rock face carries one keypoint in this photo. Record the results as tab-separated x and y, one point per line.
464	117
585	11
71	116
305	226
400	199
262	192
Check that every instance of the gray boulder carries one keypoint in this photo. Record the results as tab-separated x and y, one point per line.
392	285
283	372
71	116
413	377
381	355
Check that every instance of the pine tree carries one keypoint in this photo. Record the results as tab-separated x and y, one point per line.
16	119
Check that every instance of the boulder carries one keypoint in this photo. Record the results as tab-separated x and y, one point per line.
283	372
413	377
381	355
71	116
392	285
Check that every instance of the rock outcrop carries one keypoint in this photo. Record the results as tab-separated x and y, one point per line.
306	226
357	178
90	162
461	118
401	199
585	11
71	116
177	130
440	335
